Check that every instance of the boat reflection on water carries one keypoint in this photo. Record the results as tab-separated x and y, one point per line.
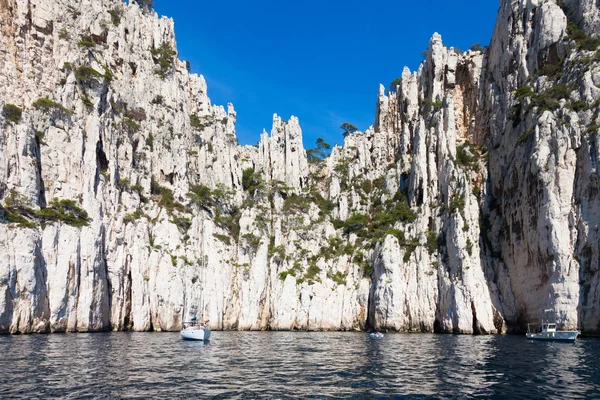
376	335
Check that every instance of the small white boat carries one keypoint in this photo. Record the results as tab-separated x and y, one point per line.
376	335
193	330
548	332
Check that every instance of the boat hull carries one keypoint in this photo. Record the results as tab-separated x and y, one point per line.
195	334
564	336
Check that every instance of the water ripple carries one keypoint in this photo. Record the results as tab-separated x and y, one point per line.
296	364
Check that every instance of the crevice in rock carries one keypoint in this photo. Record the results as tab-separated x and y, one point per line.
109	288
127	320
133	67
42	280
437	326
476	326
101	163
420	194
100	39
370	323
41	186
167	177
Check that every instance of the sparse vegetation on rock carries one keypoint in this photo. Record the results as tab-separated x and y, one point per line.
163	57
12	113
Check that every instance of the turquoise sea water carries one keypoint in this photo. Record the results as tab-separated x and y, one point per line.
296	365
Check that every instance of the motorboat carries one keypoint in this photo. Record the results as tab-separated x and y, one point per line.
548	331
376	335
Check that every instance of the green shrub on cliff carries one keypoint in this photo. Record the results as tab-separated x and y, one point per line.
201	196
16	210
129	125
432	242
318	153
182	223
524	92
252	182
200	122
525	135
593	128
284	274
86	41
552	71
355	223
312	272
45	104
116	13
338	277
132	217
63	34
395	84
476	47
296	204
66	211
167	200
86	74
583	41
12	113
466	155
223	238
457	204
364	264
550	100
163	57
348	129
252	241
580	105
589	44
123	183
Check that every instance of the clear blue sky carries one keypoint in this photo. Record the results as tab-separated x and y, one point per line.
321	61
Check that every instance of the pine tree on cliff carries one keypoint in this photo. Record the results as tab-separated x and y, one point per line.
318	153
348	128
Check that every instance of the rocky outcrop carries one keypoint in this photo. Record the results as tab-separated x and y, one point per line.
541	101
470	206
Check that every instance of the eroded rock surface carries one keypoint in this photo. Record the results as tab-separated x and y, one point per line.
470	206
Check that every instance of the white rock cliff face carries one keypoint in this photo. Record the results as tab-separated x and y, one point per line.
466	208
542	170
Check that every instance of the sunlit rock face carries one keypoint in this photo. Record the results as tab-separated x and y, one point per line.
542	205
471	205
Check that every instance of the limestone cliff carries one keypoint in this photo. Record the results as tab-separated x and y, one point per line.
470	206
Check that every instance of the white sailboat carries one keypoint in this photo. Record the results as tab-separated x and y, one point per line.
194	329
